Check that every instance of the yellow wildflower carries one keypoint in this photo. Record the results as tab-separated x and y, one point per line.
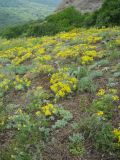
2	122
117	134
61	93
118	41
101	92
38	113
62	84
100	113
19	111
49	109
115	98
86	59
48	113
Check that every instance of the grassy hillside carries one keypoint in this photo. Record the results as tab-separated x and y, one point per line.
60	96
108	15
20	11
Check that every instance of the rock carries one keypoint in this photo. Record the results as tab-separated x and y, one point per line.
82	5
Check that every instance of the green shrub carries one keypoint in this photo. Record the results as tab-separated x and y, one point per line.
100	132
36	98
115	54
103	63
76	145
12	32
104	138
86	84
107	15
96	74
21	69
118	67
66	117
68	17
85	78
79	72
104	104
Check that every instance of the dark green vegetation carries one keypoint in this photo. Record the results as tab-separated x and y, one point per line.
14	12
108	15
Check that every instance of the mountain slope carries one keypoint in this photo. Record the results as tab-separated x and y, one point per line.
60	96
20	11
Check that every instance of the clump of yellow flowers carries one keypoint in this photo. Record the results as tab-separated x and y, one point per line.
100	113
118	41
44	58
62	84
111	92
42	68
67	53
86	59
101	92
21	83
115	98
4	85
49	109
117	135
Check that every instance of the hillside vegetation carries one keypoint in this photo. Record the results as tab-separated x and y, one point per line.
60	96
15	12
108	15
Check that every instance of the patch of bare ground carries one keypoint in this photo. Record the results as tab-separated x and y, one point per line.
101	82
18	98
43	81
5	139
116	117
58	147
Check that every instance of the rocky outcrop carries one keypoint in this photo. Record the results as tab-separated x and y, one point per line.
82	5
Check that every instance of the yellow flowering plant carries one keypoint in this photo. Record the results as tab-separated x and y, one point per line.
115	98
42	69
100	113
4	86
117	135
62	84
101	92
21	83
117	41
104	103
86	59
68	53
49	109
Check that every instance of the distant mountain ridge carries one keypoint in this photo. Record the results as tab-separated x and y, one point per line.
82	5
19	11
14	3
